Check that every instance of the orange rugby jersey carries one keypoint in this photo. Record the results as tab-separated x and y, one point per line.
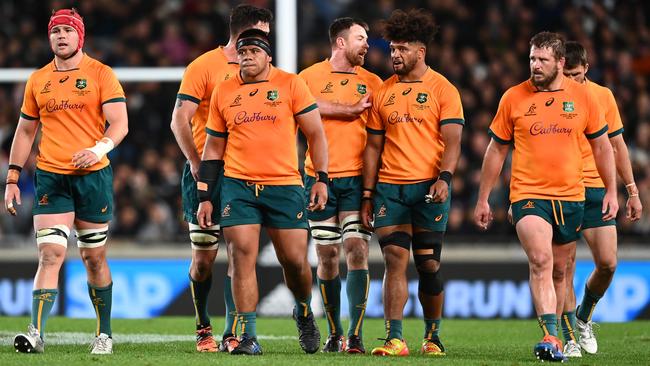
409	115
346	139
608	106
546	128
258	120
199	80
68	105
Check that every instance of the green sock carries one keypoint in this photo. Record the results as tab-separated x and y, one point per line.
393	329
303	307
247	323
330	291
42	303
231	313
200	291
586	308
102	299
548	323
568	325
358	282
431	328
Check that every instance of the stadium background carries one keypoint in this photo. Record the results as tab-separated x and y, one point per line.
482	48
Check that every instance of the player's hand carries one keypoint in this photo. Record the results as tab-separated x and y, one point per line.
204	214
610	205
366	213
84	159
317	197
510	215
482	214
363	104
438	192
633	208
194	169
12	193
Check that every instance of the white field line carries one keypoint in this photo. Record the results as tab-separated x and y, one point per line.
61	338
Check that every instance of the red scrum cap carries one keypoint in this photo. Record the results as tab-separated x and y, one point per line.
68	17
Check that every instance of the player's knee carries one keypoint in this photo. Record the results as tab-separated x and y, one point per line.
92	238
540	262
57	234
352	227
356	253
328	256
559	273
430	283
325	232
427	248
204	239
50	257
606	267
94	262
201	267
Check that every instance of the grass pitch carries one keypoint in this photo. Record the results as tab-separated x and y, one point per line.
170	341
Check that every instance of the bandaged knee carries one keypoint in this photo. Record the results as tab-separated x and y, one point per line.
325	232
92	238
399	238
204	239
430	283
352	227
57	234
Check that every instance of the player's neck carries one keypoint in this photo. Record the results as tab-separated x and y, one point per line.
262	76
230	50
416	74
340	63
69	63
554	85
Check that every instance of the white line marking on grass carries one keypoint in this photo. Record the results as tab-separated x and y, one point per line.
62	338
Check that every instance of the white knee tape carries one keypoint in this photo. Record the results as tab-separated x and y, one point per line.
204	239
352	227
92	238
325	232
57	234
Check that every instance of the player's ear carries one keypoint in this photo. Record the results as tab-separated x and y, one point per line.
586	68
562	61
340	42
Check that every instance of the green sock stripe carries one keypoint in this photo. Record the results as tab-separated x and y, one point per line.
588	305
548	324
42	303
102	300
330	291
567	326
394	329
357	286
200	291
303	306
230	326
248	323
431	328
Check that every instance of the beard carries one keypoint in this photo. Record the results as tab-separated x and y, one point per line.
353	57
546	80
407	67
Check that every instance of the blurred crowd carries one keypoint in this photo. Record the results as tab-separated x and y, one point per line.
481	47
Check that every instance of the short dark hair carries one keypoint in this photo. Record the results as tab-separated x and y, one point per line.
254	33
415	26
551	40
342	25
575	55
245	16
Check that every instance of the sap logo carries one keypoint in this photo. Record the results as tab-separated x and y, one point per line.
488	299
16	297
627	296
141	288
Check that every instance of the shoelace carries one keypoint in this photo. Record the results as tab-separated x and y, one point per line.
308	329
101	344
590	329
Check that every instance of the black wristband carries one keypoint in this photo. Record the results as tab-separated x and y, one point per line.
16	167
210	173
322	177
446	176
